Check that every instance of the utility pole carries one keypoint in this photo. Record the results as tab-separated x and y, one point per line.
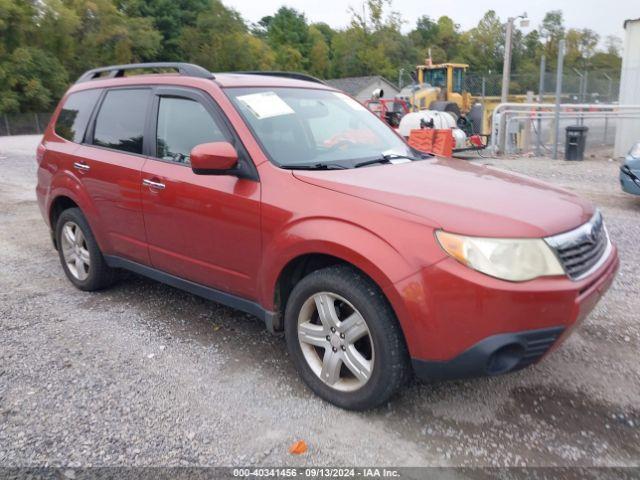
558	95
580	92
543	67
606	117
580	85
484	88
506	66
609	88
585	87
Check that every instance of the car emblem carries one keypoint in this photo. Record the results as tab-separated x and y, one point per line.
592	236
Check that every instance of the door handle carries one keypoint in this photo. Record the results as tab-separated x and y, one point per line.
151	184
83	167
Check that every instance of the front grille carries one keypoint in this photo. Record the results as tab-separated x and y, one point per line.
537	343
581	250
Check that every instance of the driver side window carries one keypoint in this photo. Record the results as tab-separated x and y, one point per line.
182	124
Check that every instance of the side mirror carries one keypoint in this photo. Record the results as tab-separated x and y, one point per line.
216	158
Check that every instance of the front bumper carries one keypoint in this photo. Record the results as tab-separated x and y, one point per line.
506	352
460	323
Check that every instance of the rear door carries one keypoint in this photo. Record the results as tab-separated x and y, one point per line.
58	152
110	163
204	228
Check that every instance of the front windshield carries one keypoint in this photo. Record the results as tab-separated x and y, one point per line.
299	126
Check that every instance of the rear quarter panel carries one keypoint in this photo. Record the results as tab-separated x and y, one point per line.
56	177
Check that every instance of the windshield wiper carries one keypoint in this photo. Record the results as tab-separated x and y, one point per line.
384	159
315	166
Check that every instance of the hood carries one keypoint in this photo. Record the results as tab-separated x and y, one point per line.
461	197
632	162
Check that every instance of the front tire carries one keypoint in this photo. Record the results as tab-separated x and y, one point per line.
344	339
81	258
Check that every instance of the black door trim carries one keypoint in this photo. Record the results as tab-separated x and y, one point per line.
209	293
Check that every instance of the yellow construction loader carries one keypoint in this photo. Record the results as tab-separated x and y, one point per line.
437	99
440	87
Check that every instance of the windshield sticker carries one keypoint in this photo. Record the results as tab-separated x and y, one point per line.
266	105
350	101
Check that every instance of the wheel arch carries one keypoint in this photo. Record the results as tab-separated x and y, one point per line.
67	192
303	265
298	268
58	205
291	257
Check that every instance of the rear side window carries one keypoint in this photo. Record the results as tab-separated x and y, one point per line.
74	116
120	121
183	124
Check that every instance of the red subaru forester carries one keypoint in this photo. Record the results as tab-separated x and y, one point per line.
280	196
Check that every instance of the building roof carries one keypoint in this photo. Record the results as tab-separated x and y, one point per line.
354	85
630	20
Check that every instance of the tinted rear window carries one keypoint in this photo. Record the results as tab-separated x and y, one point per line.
120	121
75	113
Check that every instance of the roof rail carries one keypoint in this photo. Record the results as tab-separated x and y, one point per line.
114	71
295	75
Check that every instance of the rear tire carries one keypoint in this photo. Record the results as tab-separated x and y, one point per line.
444	106
81	258
353	354
476	117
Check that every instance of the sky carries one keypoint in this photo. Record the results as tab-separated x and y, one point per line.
604	16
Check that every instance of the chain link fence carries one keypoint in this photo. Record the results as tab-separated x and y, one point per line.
577	87
23	123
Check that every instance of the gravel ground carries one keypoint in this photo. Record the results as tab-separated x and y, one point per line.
146	375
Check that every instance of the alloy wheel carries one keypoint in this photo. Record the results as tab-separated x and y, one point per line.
75	250
336	341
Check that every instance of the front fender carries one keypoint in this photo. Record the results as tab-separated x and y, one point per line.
374	256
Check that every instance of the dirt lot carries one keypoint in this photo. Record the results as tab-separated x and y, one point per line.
144	374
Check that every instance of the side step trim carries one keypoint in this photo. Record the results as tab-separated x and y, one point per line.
203	291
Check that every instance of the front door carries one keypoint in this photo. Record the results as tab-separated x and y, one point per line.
203	228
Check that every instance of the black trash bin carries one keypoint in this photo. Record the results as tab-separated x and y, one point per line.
575	142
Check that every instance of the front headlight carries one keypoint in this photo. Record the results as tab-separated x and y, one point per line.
515	260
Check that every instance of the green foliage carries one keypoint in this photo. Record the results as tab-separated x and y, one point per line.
17	22
426	32
373	44
319	61
288	27
551	31
34	79
45	44
486	44
220	41
169	18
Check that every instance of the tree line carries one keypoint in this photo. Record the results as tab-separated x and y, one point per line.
47	44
